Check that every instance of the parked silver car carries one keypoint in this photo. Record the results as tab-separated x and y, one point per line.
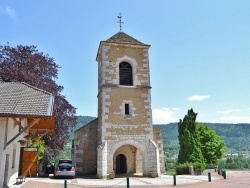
64	168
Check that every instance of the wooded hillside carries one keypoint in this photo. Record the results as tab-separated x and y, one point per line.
236	136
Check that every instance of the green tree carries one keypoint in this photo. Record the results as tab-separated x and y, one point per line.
190	147
212	147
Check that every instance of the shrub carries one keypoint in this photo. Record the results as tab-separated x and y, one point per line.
199	166
182	168
222	164
232	165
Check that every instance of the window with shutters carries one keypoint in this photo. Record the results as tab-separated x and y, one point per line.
125	74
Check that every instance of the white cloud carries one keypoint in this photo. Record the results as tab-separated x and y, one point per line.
229	111
235	119
164	115
198	97
9	11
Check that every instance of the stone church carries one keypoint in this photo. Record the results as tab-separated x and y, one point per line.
122	139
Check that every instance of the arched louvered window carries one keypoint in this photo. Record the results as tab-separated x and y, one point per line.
126	74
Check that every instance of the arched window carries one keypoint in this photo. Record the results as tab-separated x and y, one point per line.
125	73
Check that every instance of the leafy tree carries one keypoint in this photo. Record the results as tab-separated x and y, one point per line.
27	64
189	140
212	146
199	144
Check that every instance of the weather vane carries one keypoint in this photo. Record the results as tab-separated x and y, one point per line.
120	21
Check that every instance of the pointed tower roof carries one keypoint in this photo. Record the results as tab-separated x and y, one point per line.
122	37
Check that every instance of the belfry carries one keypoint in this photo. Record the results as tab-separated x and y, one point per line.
122	139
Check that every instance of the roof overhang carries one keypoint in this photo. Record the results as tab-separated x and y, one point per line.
35	125
44	126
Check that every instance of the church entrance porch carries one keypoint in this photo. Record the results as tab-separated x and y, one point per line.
137	157
127	159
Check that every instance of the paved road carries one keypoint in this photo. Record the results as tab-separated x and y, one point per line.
234	179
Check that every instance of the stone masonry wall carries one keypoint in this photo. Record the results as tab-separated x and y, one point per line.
159	142
115	128
113	54
115	122
85	149
112	97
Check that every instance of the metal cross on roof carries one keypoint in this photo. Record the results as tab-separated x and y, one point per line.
120	21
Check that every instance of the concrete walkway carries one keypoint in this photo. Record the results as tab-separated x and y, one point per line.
234	178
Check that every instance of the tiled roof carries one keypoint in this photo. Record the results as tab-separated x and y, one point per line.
122	37
17	98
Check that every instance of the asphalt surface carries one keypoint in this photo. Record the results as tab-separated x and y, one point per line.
234	179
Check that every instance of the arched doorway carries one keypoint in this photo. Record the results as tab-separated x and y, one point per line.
128	159
121	164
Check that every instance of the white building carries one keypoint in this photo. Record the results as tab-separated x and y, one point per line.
23	111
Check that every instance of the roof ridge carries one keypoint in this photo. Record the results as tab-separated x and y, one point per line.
122	37
33	87
20	98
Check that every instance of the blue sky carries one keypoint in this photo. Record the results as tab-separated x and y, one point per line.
199	54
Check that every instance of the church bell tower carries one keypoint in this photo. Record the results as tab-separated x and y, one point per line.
126	138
